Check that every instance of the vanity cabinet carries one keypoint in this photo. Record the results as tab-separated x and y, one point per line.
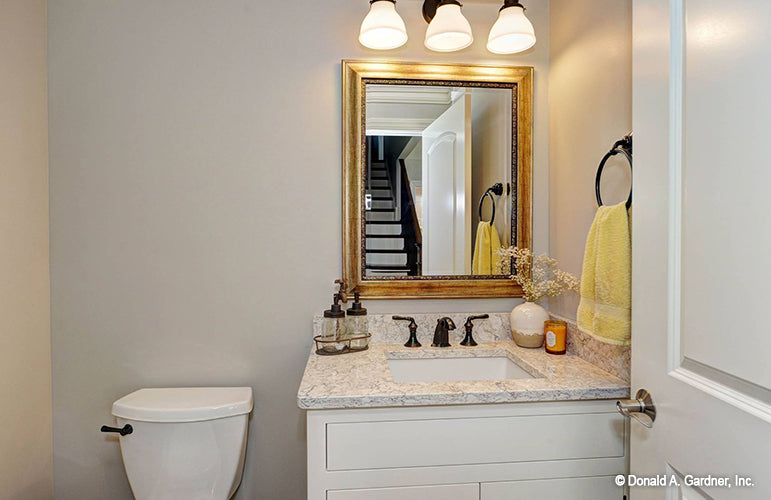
482	452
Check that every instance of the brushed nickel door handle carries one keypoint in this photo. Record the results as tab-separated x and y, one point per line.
641	408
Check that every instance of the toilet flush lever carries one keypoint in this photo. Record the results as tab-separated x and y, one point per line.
126	429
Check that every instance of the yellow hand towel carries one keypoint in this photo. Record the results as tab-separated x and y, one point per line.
605	309
486	259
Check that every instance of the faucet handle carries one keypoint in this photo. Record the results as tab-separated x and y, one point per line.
469	339
472	318
413	341
405	318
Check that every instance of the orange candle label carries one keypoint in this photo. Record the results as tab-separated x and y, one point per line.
556	337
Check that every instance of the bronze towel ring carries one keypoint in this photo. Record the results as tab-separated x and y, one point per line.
624	147
496	189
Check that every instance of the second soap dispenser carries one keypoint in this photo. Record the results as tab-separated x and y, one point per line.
357	325
333	328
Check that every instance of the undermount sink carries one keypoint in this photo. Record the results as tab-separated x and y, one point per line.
455	369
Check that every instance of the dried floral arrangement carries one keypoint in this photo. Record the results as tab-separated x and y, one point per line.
538	276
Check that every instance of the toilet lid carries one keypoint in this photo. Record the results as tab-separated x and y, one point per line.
188	404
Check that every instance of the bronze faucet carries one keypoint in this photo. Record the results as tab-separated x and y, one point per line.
442	332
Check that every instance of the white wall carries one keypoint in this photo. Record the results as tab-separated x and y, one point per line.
25	340
491	157
195	201
590	107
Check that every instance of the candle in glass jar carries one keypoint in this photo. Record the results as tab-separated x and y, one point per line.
556	336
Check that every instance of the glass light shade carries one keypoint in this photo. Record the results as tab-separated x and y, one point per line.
449	30
383	28
512	32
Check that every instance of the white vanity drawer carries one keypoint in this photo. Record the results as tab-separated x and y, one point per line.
579	488
443	492
468	441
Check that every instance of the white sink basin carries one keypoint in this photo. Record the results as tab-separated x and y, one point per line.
455	369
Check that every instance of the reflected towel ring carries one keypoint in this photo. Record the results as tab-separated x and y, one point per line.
495	189
624	147
492	205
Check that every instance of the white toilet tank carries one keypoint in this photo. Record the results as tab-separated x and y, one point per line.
186	443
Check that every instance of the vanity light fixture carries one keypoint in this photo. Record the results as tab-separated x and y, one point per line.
383	28
448	29
512	32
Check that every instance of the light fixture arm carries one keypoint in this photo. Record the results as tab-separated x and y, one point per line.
512	3
430	6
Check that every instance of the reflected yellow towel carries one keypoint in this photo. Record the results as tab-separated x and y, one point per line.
486	259
605	309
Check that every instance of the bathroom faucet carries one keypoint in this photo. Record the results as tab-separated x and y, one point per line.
442	332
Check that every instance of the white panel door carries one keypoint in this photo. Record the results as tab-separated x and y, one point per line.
702	244
447	192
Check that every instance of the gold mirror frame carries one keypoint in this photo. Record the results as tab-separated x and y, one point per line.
356	74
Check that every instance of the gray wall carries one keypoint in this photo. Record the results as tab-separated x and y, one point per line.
25	334
195	209
590	108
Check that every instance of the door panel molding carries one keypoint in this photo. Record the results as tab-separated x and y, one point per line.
682	492
676	84
709	384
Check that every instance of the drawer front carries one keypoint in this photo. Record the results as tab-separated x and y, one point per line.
467	441
580	488
444	492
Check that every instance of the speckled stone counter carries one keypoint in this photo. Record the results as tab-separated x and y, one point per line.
364	379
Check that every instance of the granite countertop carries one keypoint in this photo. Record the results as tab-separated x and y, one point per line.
364	380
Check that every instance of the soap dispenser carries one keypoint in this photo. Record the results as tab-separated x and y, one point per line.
333	327
357	325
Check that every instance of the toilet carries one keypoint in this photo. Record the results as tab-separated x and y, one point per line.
184	443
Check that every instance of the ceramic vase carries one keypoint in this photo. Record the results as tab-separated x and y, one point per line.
527	321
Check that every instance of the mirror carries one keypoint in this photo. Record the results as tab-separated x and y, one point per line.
438	162
436	177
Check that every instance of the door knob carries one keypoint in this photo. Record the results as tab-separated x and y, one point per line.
641	408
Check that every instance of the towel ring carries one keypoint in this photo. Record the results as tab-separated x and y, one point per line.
492	205
624	147
495	189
